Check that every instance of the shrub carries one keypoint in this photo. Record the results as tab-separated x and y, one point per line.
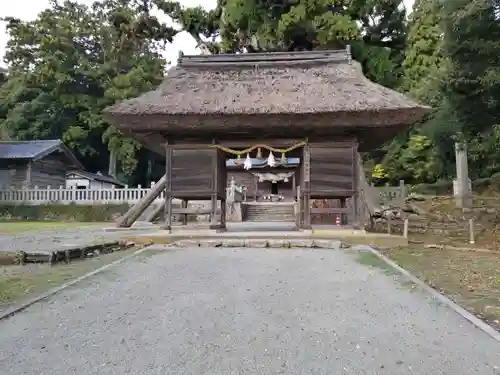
63	212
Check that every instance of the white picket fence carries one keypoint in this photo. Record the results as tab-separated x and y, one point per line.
63	195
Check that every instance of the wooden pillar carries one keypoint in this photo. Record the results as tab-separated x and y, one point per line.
215	190
306	188
213	212
298	213
168	187
356	187
343	215
222	173
223	210
184	216
256	179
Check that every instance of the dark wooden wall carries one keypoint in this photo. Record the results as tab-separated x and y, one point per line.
192	173
49	171
198	173
332	169
13	173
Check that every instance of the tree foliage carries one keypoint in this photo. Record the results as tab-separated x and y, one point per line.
424	61
452	62
472	42
73	61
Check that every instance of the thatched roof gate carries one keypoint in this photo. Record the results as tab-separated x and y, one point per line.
301	94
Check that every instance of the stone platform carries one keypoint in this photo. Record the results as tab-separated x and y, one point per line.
265	232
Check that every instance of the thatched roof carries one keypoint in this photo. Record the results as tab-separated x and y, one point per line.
262	90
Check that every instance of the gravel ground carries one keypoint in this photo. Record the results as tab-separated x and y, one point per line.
243	311
62	238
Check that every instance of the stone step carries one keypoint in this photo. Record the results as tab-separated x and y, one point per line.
270	212
270	219
260	216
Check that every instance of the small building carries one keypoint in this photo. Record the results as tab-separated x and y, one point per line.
87	180
42	163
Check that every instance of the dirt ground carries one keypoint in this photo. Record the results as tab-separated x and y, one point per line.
470	278
485	212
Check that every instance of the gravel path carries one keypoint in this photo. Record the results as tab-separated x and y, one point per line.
243	311
62	238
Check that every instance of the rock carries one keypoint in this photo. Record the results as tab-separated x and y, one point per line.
302	243
210	243
415	197
344	245
327	244
256	243
322	244
275	244
233	243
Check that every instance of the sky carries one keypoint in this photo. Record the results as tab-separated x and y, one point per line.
29	9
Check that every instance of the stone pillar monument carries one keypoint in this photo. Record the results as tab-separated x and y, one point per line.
463	193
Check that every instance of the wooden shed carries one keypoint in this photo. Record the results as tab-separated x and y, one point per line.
316	106
42	163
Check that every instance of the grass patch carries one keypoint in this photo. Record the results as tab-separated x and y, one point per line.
369	259
63	212
472	279
21	282
7	227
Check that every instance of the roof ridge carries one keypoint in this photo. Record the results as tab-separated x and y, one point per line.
32	141
323	56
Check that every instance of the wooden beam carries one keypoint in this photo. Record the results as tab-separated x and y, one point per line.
136	210
192	210
157	212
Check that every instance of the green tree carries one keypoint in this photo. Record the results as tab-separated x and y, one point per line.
414	162
472	43
73	61
375	28
203	25
3	76
424	61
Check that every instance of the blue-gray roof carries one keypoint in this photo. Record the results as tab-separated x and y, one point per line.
35	150
97	177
